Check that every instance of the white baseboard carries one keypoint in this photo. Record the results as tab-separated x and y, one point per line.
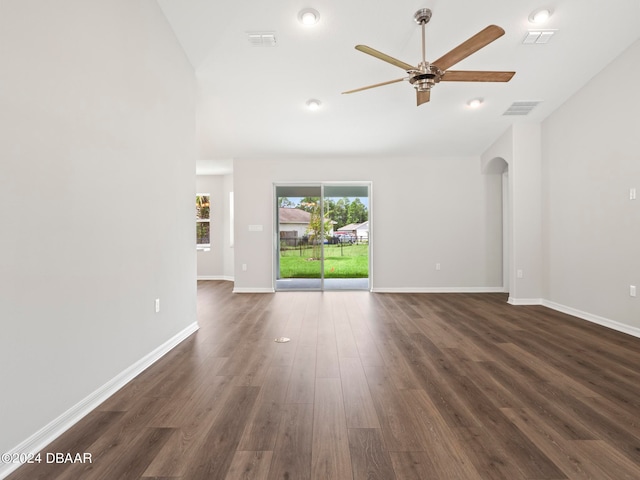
215	277
438	290
590	317
253	290
524	301
57	427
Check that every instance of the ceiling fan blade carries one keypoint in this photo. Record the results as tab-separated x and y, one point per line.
466	48
423	97
383	56
476	76
374	86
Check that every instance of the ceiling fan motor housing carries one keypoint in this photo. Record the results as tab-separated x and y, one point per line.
424	80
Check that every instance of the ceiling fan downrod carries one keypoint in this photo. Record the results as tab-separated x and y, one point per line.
422	17
425	77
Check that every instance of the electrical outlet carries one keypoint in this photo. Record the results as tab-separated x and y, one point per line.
632	290
157	305
244	267
520	273
632	194
437	266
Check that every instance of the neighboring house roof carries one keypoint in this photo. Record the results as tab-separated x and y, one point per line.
293	215
354	226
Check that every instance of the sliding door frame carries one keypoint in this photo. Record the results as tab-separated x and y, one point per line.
321	185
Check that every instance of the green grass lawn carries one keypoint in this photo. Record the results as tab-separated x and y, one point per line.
347	261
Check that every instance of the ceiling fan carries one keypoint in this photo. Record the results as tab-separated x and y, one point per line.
427	74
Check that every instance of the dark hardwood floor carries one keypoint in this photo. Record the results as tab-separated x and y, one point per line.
371	386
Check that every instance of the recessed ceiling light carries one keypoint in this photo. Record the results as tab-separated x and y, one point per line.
475	102
313	104
309	16
540	16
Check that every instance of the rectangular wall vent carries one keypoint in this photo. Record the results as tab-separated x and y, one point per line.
262	39
521	108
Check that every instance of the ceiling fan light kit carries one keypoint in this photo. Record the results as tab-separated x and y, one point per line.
427	74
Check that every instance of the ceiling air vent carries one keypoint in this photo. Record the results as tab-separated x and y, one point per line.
537	37
262	39
520	108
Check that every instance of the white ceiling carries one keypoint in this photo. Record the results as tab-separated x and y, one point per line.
251	100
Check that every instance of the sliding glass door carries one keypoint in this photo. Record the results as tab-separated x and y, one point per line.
299	237
346	256
322	236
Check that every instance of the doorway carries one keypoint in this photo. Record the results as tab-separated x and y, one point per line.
323	236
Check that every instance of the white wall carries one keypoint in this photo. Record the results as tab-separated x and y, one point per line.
217	263
520	147
526	221
425	211
591	151
97	108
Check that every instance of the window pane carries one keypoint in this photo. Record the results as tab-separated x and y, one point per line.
203	233
202	207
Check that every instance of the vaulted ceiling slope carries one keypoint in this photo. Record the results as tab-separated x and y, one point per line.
252	99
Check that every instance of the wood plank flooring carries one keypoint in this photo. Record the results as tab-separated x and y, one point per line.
371	386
